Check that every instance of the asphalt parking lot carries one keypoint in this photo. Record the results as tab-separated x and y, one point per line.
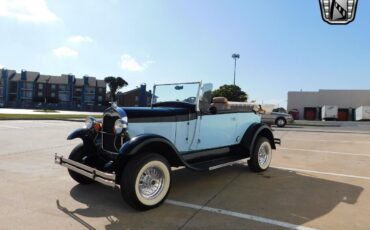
319	179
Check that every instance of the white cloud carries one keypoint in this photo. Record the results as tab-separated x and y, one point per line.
79	39
1	66
65	51
130	64
27	10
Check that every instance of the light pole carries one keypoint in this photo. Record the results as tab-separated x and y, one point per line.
235	56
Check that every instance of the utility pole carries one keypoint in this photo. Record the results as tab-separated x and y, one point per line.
235	56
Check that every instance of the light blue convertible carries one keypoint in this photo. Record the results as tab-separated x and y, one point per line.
134	148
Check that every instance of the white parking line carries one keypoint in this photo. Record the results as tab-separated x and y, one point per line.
325	151
337	141
239	215
324	173
10	127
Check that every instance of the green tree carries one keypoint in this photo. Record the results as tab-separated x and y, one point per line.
114	84
231	92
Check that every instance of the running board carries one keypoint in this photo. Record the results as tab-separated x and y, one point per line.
242	161
218	163
108	179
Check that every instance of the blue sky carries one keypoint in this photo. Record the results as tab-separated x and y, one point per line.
284	44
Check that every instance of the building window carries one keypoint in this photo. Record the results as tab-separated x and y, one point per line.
90	90
90	99
41	86
12	97
26	94
39	94
52	94
28	85
63	96
53	87
63	88
100	90
100	98
136	98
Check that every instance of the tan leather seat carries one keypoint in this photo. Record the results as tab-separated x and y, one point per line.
223	105
220	103
241	106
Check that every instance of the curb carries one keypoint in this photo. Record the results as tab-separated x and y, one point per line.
43	119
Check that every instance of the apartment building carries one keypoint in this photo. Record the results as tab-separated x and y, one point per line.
34	90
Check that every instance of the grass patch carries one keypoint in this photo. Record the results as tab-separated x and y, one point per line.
44	116
47	110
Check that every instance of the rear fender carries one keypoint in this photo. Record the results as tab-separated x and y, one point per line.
252	134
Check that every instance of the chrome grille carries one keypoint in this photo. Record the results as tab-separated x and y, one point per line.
111	142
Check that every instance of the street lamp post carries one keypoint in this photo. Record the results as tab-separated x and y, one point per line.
235	56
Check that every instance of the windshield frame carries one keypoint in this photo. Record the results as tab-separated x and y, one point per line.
180	83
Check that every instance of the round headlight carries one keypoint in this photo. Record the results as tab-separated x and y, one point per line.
119	126
89	123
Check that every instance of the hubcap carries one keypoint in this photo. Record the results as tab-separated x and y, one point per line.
264	154
151	183
280	122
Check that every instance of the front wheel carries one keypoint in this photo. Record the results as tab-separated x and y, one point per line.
146	181
79	156
261	157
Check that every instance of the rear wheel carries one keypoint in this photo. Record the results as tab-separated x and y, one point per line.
261	157
78	155
146	181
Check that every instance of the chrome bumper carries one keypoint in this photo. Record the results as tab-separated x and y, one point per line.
277	141
108	179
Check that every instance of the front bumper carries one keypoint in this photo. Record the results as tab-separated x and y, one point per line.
108	179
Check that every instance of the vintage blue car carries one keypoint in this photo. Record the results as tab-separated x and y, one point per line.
134	148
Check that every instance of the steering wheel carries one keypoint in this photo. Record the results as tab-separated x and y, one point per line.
190	100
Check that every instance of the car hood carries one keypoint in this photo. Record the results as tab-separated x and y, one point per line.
154	112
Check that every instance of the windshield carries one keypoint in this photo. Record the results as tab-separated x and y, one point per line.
184	92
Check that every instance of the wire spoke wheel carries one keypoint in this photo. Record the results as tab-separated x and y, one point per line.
261	157
151	182
264	155
146	181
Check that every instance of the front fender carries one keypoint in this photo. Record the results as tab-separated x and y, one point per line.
253	132
78	133
147	143
150	143
87	137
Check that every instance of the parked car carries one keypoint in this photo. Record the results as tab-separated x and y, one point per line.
134	148
279	119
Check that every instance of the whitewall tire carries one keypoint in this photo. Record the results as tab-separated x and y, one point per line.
262	155
146	181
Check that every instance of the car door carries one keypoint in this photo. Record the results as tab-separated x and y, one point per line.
268	118
215	130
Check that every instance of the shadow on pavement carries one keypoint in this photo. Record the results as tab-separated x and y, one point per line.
277	194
